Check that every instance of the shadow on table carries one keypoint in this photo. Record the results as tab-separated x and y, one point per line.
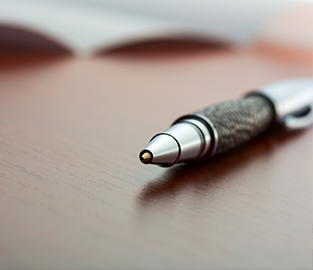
14	57
215	171
12	61
21	48
165	49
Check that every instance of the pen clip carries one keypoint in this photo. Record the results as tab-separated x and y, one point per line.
296	122
292	101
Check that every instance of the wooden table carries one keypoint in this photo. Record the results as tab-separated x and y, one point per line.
73	193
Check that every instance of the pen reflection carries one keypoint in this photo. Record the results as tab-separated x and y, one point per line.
215	172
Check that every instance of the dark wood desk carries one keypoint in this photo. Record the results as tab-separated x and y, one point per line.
73	193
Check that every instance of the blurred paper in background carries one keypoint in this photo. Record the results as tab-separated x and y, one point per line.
86	27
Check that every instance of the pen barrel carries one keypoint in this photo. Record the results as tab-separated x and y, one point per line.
237	121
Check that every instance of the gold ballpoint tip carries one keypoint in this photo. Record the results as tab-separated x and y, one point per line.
145	157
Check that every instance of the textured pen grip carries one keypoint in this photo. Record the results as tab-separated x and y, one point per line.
238	121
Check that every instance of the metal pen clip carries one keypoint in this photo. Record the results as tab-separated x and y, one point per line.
292	101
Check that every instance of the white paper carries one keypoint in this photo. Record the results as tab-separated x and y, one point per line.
87	26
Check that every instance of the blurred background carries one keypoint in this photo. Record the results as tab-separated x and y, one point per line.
84	28
84	85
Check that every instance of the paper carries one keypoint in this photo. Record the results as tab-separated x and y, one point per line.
85	27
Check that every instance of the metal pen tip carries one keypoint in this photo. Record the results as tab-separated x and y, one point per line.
145	157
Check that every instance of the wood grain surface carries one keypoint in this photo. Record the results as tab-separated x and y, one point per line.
73	194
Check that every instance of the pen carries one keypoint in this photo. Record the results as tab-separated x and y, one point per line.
218	128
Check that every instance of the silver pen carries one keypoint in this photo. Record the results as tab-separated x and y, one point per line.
218	128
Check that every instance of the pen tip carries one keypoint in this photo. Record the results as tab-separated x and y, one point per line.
145	157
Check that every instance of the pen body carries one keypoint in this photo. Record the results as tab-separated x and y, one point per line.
218	128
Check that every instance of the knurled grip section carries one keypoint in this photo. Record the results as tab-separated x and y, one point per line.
238	121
